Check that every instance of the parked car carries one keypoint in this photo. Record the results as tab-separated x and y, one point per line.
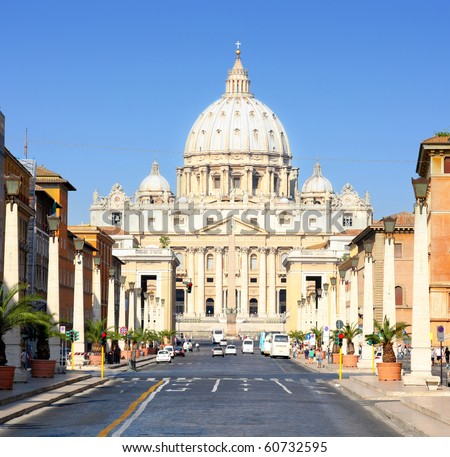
163	356
179	351
169	348
230	350
187	346
379	356
217	351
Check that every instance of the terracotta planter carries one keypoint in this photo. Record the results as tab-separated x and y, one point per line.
152	350
144	351
126	354
43	368
336	358
138	354
349	360
389	371
95	358
6	377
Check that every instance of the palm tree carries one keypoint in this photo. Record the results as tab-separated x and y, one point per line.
350	331
318	333
93	333
334	336
297	335
17	313
43	333
385	334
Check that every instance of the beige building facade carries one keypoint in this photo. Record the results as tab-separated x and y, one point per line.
249	238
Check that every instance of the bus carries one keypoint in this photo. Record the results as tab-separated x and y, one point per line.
267	343
217	335
280	346
262	337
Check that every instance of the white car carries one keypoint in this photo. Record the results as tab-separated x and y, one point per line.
247	346
170	349
230	350
223	343
379	356
217	351
163	356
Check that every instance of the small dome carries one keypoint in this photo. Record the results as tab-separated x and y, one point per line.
284	200
317	182
183	200
154	182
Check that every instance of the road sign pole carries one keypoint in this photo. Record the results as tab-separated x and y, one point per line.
72	347
340	363
373	358
103	362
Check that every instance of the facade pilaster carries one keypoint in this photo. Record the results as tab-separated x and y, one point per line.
219	280
353	311
244	281
366	355
201	280
122	312
78	305
389	281
191	276
272	299
262	305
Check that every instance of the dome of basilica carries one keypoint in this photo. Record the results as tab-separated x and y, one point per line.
238	122
154	182
317	182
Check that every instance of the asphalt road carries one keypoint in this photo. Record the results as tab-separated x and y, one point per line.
201	396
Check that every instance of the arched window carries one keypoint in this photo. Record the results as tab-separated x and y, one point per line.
209	262
398	296
253	309
209	307
253	262
179	256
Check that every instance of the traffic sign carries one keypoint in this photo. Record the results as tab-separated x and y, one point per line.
339	324
62	329
441	333
123	330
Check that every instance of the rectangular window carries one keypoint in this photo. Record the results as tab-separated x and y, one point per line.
216	181
347	220
398	250
254	280
446	164
209	221
116	219
236	182
209	279
283	279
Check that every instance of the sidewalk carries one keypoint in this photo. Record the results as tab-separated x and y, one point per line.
36	393
424	412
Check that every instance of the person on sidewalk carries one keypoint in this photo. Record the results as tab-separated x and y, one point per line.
447	357
306	355
319	358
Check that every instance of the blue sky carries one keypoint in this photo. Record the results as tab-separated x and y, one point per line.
106	87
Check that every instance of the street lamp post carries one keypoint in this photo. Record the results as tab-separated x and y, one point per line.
122	312
131	307
110	314
389	271
420	334
78	299
11	260
366	354
53	283
97	289
333	311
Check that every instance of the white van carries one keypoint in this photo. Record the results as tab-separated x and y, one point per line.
247	346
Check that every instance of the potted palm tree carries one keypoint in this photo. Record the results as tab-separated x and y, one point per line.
386	335
318	333
93	334
350	331
335	349
42	366
15	312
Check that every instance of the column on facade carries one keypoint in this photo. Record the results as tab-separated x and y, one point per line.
138	309
201	280
366	355
191	276
262	305
78	306
11	276
244	281
218	302
333	310
272	299
179	182
248	180
341	313
224	180
146	309
389	280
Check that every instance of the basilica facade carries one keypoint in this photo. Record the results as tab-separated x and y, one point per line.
251	239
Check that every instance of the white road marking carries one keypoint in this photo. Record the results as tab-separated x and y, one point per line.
140	410
281	385
216	385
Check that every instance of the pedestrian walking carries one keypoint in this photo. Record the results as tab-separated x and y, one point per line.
306	352
447	357
117	354
311	355
24	359
433	355
438	355
319	358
